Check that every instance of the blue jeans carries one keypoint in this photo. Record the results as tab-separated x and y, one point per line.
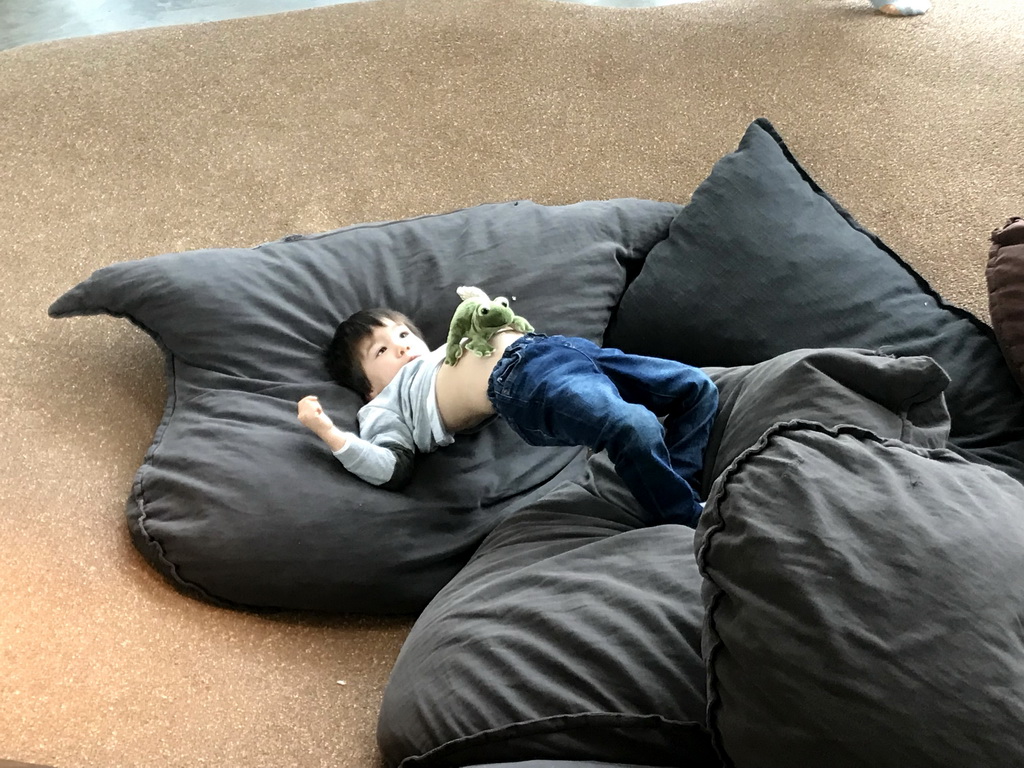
559	390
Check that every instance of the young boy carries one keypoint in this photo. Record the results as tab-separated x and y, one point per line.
551	390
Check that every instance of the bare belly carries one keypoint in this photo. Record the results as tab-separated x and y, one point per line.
462	388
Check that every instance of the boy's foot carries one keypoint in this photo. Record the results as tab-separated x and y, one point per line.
902	7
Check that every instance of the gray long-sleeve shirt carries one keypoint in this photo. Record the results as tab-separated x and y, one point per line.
395	424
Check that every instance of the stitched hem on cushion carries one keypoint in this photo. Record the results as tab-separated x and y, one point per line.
766	125
382	224
447	755
976	454
719	491
135	509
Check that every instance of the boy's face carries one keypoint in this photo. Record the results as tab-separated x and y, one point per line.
385	351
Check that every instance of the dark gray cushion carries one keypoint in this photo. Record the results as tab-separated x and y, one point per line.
762	261
237	502
572	634
898	397
863	605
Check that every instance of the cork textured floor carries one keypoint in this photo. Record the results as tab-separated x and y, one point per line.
240	131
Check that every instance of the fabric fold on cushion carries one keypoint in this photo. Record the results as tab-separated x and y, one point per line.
897	397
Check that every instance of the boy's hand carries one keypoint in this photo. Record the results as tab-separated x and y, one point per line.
312	415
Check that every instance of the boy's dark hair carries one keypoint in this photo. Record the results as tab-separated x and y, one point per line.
341	355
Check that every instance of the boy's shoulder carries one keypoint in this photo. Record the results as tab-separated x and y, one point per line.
417	372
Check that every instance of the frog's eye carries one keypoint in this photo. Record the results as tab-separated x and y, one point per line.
482	311
503	301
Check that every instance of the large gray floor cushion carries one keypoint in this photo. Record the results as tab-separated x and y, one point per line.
763	261
863	602
236	502
574	633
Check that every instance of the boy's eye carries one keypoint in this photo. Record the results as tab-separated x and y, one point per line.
381	351
403	334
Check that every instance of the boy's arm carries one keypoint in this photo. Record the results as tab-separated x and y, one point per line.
312	415
386	461
387	465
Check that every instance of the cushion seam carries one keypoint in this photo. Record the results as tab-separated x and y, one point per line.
138	489
714	700
537	726
766	125
383	224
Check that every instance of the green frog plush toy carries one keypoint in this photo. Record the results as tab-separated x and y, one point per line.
476	320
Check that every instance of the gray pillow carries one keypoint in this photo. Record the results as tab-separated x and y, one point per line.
237	503
573	634
863	600
898	397
763	261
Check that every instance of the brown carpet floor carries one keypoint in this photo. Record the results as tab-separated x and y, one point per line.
243	131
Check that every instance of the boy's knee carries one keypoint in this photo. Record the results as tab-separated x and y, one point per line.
707	394
704	381
710	392
638	426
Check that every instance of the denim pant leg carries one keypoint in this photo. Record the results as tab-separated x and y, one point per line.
685	395
551	391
